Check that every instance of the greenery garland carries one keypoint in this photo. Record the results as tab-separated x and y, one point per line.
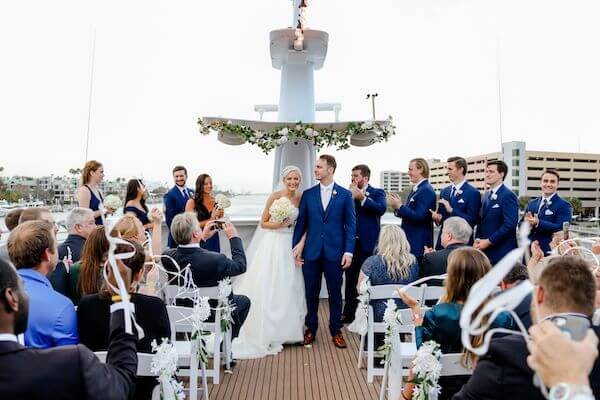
269	140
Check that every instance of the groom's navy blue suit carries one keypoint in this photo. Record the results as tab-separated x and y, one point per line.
329	234
175	204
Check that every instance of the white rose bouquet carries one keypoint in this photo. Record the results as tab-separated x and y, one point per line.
281	209
223	201
112	201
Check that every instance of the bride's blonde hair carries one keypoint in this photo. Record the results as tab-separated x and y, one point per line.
289	169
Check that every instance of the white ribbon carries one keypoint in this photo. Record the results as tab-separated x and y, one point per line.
360	323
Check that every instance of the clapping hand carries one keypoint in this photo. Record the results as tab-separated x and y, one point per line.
357	194
446	205
394	201
68	259
532	219
436	216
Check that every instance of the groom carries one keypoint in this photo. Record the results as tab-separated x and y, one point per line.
327	216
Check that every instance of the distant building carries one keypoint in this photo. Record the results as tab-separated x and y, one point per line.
394	181
579	172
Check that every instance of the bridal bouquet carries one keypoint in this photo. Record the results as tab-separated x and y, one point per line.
427	369
223	201
281	209
112	201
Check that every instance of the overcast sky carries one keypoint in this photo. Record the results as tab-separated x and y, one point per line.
162	64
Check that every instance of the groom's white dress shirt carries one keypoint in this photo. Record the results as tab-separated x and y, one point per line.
326	192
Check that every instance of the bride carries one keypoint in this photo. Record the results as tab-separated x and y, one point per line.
273	283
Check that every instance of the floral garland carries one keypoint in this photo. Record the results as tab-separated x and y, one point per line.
427	369
225	304
392	320
269	140
164	364
200	314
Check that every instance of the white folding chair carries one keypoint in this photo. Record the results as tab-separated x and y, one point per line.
382	292
432	293
452	365
143	368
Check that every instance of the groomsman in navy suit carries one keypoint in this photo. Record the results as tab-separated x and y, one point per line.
176	198
326	215
497	231
415	213
460	199
547	213
370	205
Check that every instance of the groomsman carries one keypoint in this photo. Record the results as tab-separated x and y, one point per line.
415	214
497	231
547	213
370	205
460	199
176	198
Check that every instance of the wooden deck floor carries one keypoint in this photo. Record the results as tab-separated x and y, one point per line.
298	373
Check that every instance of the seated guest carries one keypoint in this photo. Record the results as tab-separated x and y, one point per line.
566	288
209	267
11	220
38	214
457	233
206	208
67	372
135	202
392	264
85	276
93	314
52	321
80	223
563	364
517	275
442	322
130	227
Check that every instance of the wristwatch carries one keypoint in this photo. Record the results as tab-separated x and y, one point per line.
567	391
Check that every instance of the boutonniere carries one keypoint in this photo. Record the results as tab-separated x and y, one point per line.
366	193
494	196
459	191
334	192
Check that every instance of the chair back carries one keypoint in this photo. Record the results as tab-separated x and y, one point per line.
380	292
432	292
173	292
144	367
452	365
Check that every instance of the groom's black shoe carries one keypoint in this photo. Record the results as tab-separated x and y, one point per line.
339	342
309	338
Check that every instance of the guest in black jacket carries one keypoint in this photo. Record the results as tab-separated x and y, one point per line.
517	275
209	267
457	233
566	287
150	313
80	224
67	372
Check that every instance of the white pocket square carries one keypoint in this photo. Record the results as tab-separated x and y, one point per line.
411	200
496	205
548	212
461	201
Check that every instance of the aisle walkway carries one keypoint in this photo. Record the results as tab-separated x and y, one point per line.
318	373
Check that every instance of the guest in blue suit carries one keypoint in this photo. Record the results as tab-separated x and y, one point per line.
460	199
497	231
415	213
324	241
547	213
370	205
176	199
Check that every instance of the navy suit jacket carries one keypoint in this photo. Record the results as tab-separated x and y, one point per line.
416	217
499	219
466	203
175	204
368	218
330	232
551	219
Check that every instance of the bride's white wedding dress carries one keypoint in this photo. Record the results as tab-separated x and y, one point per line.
275	287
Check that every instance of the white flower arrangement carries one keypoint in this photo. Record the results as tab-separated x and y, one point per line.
164	364
281	209
269	140
427	369
112	201
200	314
392	320
225	304
223	201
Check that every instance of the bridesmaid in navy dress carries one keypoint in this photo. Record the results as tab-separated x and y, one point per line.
206	208
135	202
89	194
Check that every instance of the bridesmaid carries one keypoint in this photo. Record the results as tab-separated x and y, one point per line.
135	202
204	205
89	194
